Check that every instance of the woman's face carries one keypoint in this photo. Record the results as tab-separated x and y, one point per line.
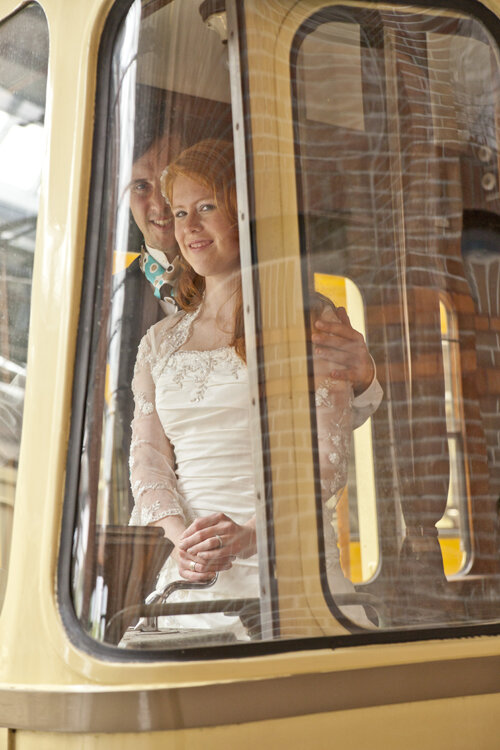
206	237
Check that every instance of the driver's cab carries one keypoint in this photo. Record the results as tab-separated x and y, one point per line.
362	138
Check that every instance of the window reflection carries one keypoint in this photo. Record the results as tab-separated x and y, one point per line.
385	192
395	141
454	526
355	519
163	102
23	76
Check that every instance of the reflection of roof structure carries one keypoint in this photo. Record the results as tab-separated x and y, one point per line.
23	65
23	75
17	245
11	417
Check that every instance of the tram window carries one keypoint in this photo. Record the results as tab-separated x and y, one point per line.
23	78
170	91
385	177
123	565
402	456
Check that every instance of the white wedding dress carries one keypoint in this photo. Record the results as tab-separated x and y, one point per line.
191	456
200	401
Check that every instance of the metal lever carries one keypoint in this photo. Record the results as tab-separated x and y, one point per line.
155	597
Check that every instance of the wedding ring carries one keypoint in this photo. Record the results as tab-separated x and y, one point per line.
193	565
220	540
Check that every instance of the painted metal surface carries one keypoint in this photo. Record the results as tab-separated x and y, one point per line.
46	683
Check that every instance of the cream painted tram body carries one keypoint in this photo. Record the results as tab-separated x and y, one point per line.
366	143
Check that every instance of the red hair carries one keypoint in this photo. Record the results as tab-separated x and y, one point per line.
210	163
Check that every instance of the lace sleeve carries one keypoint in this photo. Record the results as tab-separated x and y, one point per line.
152	461
334	420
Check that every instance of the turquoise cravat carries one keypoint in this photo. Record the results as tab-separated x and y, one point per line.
160	277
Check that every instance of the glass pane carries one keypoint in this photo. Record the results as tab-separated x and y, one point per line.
398	179
394	117
165	99
24	46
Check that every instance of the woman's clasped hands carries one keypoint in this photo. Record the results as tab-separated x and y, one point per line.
211	544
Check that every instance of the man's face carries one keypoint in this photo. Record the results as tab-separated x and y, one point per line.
148	206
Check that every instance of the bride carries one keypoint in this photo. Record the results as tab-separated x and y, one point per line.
191	468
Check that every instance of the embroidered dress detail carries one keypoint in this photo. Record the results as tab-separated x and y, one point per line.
144	354
322	395
144	515
171	339
144	406
334	417
197	366
140	488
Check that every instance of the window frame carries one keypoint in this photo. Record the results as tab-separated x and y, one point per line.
256	313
